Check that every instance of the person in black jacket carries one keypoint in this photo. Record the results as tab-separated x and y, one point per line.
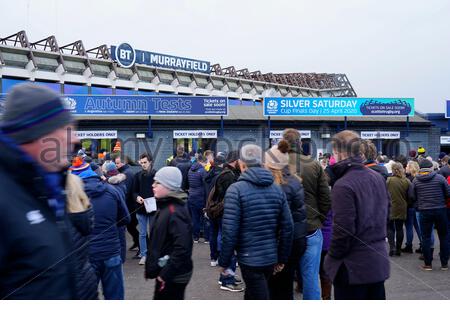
35	238
431	190
369	154
127	170
142	189
277	161
169	256
257	223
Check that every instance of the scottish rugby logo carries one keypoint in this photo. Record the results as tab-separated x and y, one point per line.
272	106
70	104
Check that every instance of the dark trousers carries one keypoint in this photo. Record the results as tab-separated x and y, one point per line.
171	291
215	231
132	229
198	219
325	282
345	291
281	285
395	234
110	273
438	218
256	282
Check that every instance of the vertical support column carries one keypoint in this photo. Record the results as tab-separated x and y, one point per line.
149	131
221	131
407	127
269	125
345	123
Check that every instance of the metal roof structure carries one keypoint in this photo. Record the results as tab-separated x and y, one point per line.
73	63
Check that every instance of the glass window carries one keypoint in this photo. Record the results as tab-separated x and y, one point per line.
51	85
147	93
7	84
101	90
125	92
247	103
75	89
234	102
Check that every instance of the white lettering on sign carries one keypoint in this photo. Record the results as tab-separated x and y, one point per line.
278	134
111	134
371	135
445	140
186	134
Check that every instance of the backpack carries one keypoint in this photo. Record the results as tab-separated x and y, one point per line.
214	208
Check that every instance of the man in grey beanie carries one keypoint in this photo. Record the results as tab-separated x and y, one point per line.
36	138
170	246
255	201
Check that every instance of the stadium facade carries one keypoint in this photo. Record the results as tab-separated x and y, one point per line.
71	69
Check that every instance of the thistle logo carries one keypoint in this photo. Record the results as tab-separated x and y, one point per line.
125	55
272	106
70	104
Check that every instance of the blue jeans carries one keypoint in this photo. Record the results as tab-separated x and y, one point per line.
110	273
144	221
310	266
437	217
198	220
418	217
410	223
215	238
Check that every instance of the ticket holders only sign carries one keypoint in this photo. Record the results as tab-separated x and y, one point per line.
338	107
108	105
194	134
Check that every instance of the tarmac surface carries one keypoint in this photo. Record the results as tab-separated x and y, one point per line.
407	280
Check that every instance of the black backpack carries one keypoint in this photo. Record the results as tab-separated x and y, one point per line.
214	206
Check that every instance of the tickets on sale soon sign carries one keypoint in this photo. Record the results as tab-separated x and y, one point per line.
338	107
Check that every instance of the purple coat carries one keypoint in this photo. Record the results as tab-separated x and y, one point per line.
327	230
360	203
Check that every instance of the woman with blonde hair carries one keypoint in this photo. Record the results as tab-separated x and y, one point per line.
400	190
277	161
412	169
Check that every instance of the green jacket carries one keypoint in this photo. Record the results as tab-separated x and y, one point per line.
315	183
400	190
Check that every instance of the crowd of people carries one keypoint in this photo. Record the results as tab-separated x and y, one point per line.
288	221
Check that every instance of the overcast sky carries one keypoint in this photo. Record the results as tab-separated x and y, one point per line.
387	48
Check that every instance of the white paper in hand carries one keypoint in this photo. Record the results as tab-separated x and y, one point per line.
150	204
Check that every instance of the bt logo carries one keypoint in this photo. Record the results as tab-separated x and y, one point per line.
125	55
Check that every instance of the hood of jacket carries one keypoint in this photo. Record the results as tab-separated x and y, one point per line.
117	179
340	168
257	176
425	175
94	187
196	166
179	196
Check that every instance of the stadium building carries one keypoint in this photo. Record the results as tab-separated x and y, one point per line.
73	70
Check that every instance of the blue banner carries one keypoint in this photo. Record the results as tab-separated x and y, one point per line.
126	56
338	107
103	105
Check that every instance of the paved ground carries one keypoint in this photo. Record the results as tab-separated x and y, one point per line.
407	281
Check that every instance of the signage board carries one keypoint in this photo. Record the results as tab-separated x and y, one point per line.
372	135
97	134
126	57
278	134
338	107
194	134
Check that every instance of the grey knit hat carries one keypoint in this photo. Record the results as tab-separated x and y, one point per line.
33	111
169	177
252	155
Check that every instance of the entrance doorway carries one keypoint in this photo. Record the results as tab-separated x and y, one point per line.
391	148
94	146
195	144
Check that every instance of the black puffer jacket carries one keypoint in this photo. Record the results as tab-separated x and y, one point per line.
430	190
86	280
171	235
142	186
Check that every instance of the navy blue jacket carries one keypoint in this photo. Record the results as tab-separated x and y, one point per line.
34	244
257	221
197	186
430	190
361	203
110	212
